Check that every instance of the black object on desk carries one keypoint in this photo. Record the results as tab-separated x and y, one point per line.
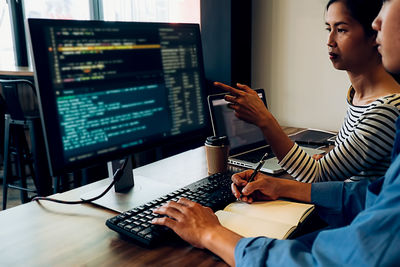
313	137
126	181
213	191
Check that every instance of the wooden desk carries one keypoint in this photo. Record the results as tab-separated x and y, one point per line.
51	234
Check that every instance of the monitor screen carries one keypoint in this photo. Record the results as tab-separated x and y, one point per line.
107	89
225	122
242	136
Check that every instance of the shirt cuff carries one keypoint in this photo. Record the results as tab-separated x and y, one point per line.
327	194
252	251
286	159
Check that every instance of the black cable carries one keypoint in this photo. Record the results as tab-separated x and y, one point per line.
117	175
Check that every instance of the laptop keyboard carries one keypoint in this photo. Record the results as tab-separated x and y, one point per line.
213	191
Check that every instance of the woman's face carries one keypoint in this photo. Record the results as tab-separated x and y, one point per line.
349	49
388	26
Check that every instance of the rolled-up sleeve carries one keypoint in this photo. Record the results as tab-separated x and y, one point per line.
252	251
338	203
352	245
349	245
264	251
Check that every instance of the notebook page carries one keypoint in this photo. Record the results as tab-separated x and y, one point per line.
279	210
252	227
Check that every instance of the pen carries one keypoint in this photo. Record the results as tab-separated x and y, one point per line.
256	170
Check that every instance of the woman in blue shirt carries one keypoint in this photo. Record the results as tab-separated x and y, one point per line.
365	217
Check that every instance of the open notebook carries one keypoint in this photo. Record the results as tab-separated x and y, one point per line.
274	219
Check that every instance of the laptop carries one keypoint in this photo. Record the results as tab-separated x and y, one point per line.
247	142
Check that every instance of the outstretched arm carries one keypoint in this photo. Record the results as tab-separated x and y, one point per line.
366	145
249	107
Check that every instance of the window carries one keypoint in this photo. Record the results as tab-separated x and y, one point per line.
6	42
57	9
152	10
184	11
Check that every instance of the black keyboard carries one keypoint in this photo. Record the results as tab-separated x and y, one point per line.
213	191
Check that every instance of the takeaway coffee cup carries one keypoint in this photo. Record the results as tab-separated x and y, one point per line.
217	151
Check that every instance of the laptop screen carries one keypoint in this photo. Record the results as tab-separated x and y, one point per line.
242	135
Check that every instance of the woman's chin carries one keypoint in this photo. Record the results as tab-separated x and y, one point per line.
338	66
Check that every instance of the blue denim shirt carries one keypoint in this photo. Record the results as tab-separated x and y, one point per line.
365	227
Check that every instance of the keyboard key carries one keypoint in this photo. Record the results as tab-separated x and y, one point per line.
114	220
144	232
150	236
136	229
128	227
121	216
128	213
121	224
135	210
146	225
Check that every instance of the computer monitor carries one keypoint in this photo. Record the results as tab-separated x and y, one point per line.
108	89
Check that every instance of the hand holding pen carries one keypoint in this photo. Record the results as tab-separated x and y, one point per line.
256	170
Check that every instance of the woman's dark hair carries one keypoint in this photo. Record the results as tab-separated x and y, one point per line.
364	11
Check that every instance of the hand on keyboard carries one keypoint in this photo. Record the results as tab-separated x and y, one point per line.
190	220
212	191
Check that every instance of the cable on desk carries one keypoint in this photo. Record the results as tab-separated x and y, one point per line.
117	175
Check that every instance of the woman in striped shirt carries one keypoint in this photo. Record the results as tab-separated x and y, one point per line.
366	138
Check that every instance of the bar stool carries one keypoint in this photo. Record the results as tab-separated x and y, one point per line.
2	113
17	157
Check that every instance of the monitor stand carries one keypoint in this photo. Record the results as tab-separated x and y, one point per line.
126	182
129	192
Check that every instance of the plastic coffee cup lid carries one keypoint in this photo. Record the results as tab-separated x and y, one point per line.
216	140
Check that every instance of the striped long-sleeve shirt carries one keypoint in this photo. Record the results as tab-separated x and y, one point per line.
362	148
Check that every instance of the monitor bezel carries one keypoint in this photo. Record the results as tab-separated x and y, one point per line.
57	164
